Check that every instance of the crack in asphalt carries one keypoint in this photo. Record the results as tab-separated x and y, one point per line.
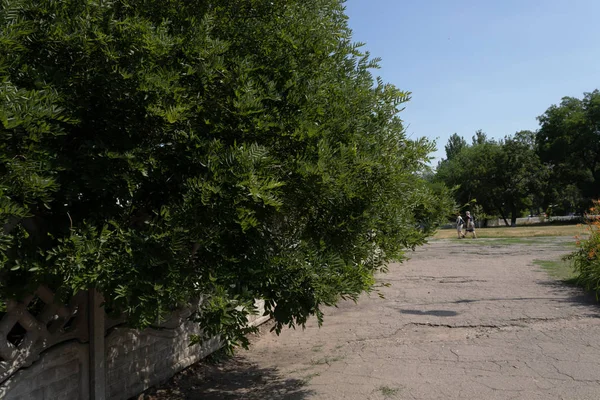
512	323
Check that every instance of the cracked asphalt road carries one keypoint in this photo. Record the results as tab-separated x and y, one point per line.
461	320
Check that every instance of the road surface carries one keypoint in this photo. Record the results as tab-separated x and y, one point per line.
470	319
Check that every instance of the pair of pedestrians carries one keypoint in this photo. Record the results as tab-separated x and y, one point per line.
460	223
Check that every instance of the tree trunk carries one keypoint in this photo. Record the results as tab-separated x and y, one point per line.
513	217
503	214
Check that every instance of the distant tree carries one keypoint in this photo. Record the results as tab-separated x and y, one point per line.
503	177
480	137
462	169
467	174
479	171
568	141
519	174
455	144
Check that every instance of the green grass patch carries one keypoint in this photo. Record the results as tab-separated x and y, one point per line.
519	231
389	392
561	269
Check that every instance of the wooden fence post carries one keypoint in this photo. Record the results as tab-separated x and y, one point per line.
97	351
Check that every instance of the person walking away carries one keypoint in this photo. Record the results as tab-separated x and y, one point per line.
459	226
470	224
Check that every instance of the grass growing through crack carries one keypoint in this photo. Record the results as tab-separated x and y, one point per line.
300	370
327	360
388	392
318	348
308	378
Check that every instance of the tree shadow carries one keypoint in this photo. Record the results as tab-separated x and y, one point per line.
235	378
570	292
562	291
436	313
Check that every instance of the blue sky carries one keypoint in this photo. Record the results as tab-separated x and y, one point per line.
480	64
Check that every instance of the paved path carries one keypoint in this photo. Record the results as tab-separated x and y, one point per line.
462	320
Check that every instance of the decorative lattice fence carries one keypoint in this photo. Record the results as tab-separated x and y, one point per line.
36	323
53	349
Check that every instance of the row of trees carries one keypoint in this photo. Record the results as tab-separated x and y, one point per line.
166	151
555	169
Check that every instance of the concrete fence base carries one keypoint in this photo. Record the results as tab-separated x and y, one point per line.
107	362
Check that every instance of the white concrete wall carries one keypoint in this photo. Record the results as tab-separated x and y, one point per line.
60	373
137	360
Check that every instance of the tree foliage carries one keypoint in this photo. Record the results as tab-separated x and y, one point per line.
169	151
469	172
502	176
480	137
556	168
569	142
455	144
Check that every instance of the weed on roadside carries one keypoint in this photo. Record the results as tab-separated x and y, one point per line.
327	360
300	370
308	378
388	392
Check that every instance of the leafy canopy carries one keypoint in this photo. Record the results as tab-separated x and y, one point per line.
455	144
569	142
170	151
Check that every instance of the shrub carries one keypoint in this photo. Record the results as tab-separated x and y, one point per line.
586	260
165	151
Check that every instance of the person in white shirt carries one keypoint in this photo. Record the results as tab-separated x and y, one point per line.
459	226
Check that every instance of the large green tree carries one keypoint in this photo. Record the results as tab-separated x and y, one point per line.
520	175
469	172
568	141
165	151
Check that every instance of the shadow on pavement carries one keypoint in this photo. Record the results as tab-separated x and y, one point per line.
579	299
572	293
233	379
436	313
563	292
